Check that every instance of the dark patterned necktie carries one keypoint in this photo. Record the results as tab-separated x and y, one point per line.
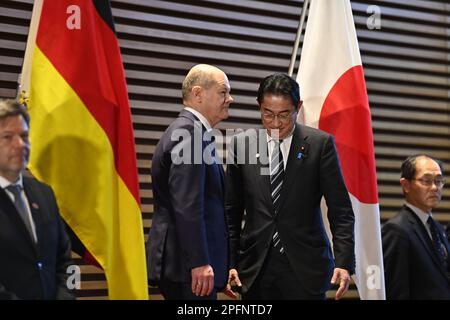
437	243
276	182
16	190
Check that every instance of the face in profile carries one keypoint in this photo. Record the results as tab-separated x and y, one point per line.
14	147
278	115
217	98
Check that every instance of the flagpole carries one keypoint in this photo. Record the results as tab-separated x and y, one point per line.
23	81
297	38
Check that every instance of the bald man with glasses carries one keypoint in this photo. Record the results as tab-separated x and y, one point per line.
415	247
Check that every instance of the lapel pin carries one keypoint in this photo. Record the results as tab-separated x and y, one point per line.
35	206
302	153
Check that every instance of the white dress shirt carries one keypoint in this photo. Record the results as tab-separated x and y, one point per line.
423	216
202	118
5	183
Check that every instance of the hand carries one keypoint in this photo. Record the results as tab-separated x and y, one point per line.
232	277
343	277
202	280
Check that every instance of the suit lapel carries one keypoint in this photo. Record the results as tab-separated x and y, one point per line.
187	114
217	160
222	177
11	211
259	155
33	203
422	234
297	153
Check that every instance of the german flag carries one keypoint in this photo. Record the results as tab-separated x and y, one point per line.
82	135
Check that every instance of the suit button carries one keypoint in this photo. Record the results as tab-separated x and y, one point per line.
39	265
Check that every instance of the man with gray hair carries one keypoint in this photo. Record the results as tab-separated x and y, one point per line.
34	247
188	242
415	248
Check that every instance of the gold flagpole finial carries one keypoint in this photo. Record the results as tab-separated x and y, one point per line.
23	98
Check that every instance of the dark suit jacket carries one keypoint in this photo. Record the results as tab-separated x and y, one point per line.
29	270
412	269
312	171
447	230
189	228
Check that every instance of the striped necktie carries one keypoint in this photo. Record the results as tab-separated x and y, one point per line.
276	183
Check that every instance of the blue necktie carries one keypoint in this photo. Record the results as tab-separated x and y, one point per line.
16	190
437	243
276	182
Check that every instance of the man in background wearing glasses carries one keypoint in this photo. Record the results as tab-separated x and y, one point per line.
283	251
415	248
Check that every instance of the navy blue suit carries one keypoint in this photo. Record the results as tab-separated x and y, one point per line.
31	270
189	228
411	266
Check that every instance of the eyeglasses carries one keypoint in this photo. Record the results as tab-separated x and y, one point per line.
439	182
283	117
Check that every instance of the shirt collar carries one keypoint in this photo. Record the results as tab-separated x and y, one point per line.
423	216
5	182
202	118
288	137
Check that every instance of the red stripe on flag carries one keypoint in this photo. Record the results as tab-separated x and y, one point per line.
346	115
101	83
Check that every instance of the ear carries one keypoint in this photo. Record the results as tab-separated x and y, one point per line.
257	102
300	104
197	93
406	185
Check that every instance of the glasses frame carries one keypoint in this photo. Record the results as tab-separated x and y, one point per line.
439	182
270	117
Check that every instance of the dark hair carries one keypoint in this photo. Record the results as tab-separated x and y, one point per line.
279	84
408	169
11	108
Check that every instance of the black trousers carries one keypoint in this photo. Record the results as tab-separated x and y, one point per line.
277	281
181	291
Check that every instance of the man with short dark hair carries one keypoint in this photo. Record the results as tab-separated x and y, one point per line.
283	252
415	248
34	247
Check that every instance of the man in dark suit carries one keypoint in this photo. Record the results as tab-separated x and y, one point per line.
188	241
278	177
415	249
448	231
34	247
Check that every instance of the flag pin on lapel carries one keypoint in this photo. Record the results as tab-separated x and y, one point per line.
35	205
301	153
